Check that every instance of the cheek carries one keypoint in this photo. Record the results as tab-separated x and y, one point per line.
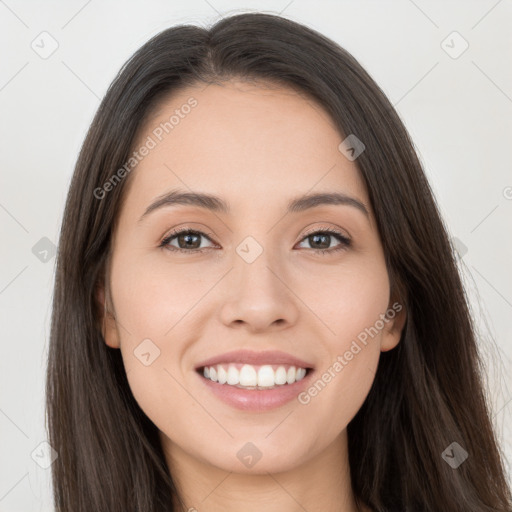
347	300
350	306
151	296
148	305
338	392
154	305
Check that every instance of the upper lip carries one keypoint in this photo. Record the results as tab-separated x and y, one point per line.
255	358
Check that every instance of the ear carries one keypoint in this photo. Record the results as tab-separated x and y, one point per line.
107	319
392	332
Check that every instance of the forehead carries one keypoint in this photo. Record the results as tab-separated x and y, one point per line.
241	140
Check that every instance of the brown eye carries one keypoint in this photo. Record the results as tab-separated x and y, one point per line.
322	239
187	241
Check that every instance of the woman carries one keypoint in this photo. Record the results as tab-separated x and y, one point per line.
256	302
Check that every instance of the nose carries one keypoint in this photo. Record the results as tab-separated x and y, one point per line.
258	296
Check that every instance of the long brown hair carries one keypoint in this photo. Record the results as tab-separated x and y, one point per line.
428	392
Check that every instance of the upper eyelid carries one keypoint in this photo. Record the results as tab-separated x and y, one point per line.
326	230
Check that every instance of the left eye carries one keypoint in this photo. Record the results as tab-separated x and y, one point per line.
190	241
324	237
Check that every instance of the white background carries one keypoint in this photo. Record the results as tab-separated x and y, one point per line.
458	111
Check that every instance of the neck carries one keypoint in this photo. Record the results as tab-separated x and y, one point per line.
320	483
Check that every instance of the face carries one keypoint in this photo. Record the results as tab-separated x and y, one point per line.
310	282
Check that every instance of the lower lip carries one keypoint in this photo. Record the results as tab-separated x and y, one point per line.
257	400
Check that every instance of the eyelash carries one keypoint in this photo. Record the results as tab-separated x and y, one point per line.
344	241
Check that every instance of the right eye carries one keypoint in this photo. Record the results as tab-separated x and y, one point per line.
187	239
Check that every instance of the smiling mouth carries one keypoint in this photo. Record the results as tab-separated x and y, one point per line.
254	377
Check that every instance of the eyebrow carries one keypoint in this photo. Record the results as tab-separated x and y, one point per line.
216	204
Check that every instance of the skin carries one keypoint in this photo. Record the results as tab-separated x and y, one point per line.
256	147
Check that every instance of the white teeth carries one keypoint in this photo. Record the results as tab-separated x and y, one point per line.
266	376
280	376
233	377
250	376
222	376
